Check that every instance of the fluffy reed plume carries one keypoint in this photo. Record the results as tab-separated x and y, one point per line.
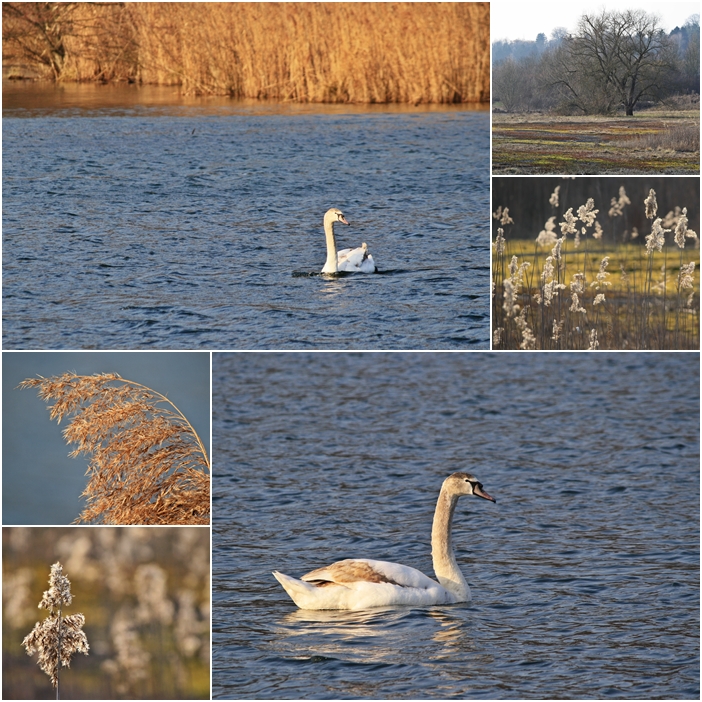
57	638
305	52
147	463
566	298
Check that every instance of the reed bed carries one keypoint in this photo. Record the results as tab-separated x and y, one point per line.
304	52
570	288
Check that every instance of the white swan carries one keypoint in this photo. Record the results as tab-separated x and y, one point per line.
363	583
347	260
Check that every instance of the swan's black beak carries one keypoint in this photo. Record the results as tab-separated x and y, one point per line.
342	219
478	490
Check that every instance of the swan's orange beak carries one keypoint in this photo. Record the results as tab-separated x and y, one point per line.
342	219
478	490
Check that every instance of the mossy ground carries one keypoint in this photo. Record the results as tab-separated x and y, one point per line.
537	143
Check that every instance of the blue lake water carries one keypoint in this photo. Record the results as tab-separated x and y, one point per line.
584	575
136	225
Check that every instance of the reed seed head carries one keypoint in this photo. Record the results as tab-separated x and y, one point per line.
587	213
575	303
617	204
568	223
547	236
556	251
500	242
602	275
681	228
577	283
686	276
147	463
594	343
57	638
557	329
510	305
651	205
505	219
656	239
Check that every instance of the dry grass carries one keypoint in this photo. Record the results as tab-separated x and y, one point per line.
684	137
306	52
537	143
147	463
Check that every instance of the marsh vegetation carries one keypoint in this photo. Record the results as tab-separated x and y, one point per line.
617	95
303	52
592	276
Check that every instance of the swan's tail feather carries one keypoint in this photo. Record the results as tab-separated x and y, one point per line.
299	591
312	595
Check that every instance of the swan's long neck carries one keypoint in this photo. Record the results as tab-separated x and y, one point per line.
445	566
331	265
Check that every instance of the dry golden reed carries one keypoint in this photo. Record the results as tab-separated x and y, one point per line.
304	52
147	463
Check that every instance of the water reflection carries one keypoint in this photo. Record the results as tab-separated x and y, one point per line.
33	99
392	631
455	632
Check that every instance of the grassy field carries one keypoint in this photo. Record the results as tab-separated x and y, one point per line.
577	291
304	52
653	141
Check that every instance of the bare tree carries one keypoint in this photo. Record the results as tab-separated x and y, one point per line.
34	33
615	58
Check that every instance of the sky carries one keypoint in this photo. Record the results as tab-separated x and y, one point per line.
40	483
524	20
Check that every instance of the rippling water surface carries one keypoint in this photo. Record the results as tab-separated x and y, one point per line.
585	574
148	225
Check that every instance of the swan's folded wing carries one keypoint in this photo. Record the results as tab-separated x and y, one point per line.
369	571
352	257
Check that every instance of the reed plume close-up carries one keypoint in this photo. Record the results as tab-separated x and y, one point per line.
612	279
303	52
147	463
58	637
144	595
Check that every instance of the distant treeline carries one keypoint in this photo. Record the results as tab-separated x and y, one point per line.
517	49
304	52
614	60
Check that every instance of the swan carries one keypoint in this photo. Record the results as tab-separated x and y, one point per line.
347	260
362	583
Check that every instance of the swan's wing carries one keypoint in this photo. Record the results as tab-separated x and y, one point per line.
355	260
363	570
317	590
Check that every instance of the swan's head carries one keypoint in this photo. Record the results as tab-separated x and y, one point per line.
334	215
466	484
